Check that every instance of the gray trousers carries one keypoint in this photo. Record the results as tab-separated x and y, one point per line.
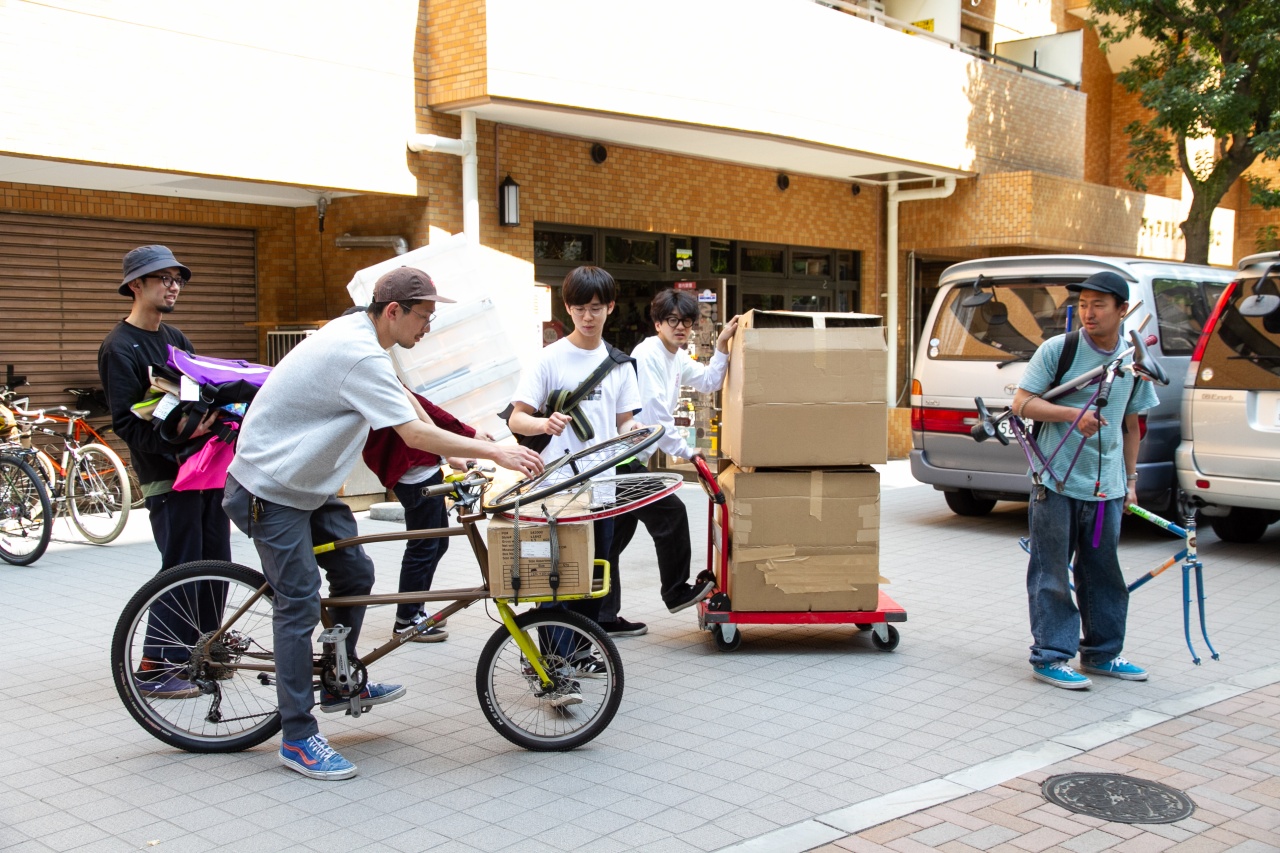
284	537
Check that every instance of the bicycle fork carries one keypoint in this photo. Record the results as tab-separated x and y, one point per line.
526	646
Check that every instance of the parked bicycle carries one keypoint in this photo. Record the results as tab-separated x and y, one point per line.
547	679
26	513
86	482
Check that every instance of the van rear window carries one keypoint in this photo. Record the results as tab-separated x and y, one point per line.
1243	352
1182	307
1009	323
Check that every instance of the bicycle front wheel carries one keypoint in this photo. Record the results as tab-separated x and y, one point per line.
574	468
189	688
581	659
26	514
98	493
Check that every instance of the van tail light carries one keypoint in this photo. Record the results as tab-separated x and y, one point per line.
1142	427
957	421
1193	369
1202	484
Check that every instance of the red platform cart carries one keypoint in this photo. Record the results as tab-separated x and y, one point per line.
716	613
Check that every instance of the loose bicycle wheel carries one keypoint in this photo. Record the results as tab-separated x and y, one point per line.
98	493
573	468
183	685
26	514
586	667
601	497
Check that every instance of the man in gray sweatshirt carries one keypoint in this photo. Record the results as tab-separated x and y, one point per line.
297	446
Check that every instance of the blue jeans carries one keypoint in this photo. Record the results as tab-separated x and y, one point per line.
421	556
1063	527
284	537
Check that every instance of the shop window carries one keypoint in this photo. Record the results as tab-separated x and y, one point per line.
721	257
757	260
681	258
631	251
815	262
574	247
848	266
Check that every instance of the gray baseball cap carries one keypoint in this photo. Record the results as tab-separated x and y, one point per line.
145	260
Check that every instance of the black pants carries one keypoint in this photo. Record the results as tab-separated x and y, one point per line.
667	521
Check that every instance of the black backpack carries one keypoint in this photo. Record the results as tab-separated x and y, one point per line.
1070	343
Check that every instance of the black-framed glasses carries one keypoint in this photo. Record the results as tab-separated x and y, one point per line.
426	319
168	280
675	322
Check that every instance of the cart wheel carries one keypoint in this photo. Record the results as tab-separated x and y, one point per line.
727	639
862	626
889	644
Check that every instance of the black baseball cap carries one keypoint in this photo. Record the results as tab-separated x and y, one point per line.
1104	282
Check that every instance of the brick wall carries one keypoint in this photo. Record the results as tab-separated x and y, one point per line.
1010	109
455	41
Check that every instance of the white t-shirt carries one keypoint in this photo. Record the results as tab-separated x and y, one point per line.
563	366
662	374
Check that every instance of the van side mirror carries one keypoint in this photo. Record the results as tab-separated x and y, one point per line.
1260	304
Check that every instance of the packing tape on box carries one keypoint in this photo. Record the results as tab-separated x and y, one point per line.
815	494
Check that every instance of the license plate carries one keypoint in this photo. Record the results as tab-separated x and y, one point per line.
1006	428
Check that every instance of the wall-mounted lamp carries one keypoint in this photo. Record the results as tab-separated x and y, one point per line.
783	182
599	153
508	202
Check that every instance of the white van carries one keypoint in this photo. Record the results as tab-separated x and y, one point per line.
1229	459
973	350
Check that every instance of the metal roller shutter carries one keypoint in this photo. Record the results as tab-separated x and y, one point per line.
58	300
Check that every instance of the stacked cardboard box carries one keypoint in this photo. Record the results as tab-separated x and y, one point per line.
577	544
804	417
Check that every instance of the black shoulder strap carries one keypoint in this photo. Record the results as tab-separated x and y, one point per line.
588	385
1070	343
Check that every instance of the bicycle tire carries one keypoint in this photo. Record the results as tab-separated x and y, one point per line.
600	498
98	493
573	468
515	703
187	595
26	513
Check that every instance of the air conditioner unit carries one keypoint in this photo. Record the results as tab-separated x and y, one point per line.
280	341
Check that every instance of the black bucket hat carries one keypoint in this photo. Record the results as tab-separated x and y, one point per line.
145	260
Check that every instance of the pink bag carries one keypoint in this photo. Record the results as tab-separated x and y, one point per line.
207	469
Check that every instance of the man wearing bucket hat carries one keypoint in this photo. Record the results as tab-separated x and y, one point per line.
298	443
187	525
1075	525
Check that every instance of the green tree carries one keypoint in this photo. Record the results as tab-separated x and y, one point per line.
1213	72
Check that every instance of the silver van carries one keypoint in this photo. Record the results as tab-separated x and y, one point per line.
1229	459
979	347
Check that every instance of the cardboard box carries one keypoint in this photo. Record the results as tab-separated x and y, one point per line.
806	390
577	548
802	540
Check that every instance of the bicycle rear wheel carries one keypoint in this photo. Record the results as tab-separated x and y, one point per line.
574	468
26	514
163	643
581	659
98	493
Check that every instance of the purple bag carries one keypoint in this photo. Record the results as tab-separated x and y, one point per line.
222	382
207	468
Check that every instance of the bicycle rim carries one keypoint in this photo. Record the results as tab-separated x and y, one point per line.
98	494
522	710
26	514
573	468
165	623
601	497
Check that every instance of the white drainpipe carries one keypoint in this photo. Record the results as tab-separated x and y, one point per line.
466	149
896	197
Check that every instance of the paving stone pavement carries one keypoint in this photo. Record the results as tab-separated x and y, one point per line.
755	749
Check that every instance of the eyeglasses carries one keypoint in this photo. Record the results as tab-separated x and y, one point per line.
679	322
595	310
427	319
169	281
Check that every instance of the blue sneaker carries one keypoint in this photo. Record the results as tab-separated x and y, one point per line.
315	759
1060	675
373	694
1117	667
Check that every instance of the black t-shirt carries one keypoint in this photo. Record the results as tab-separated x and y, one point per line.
123	359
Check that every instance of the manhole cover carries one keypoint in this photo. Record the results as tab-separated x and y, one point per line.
1113	797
